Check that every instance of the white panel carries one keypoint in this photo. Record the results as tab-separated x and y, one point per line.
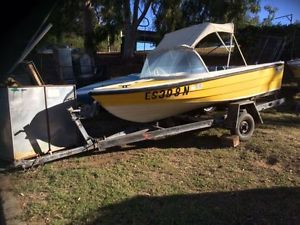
29	121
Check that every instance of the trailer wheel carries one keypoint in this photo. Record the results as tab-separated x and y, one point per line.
245	127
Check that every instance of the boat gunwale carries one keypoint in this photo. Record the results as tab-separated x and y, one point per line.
182	83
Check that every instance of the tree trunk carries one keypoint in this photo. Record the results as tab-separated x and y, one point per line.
88	28
129	42
131	27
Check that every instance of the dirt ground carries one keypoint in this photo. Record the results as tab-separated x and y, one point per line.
10	207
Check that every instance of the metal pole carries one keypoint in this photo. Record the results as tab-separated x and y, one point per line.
239	49
229	54
222	41
288	16
29	48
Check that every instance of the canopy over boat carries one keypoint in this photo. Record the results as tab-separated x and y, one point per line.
175	55
192	35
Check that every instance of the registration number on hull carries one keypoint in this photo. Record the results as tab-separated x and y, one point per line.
167	93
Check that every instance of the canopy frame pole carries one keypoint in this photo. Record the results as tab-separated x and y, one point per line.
222	41
207	70
230	49
236	43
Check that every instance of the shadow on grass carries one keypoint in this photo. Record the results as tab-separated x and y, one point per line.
259	206
185	140
286	121
2	215
285	115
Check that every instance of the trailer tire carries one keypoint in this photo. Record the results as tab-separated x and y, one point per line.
245	127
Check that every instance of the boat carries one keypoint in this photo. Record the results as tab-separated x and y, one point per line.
175	79
294	65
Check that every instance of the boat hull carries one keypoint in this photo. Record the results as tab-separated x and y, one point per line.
162	101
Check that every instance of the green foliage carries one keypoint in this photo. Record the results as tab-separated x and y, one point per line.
175	14
108	45
73	40
113	16
67	18
271	15
109	18
67	29
66	39
168	16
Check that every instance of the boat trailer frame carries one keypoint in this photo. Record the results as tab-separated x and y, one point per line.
227	121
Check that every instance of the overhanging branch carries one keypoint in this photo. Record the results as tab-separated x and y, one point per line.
144	12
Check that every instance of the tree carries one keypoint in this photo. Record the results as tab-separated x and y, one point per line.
109	20
174	14
88	22
76	19
271	15
168	15
118	15
131	23
115	16
67	17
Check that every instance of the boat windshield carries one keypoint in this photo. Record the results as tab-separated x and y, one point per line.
176	62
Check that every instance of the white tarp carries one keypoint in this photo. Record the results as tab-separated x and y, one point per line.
192	35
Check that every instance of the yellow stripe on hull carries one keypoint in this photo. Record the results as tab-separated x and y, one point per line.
159	103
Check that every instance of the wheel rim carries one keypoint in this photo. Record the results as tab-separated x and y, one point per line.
244	127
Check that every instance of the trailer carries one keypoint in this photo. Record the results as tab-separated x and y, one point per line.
240	118
37	128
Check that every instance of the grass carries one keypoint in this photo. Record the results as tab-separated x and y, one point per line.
185	179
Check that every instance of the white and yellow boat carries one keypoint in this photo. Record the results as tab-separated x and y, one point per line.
175	79
294	65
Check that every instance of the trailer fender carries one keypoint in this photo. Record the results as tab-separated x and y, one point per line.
236	108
